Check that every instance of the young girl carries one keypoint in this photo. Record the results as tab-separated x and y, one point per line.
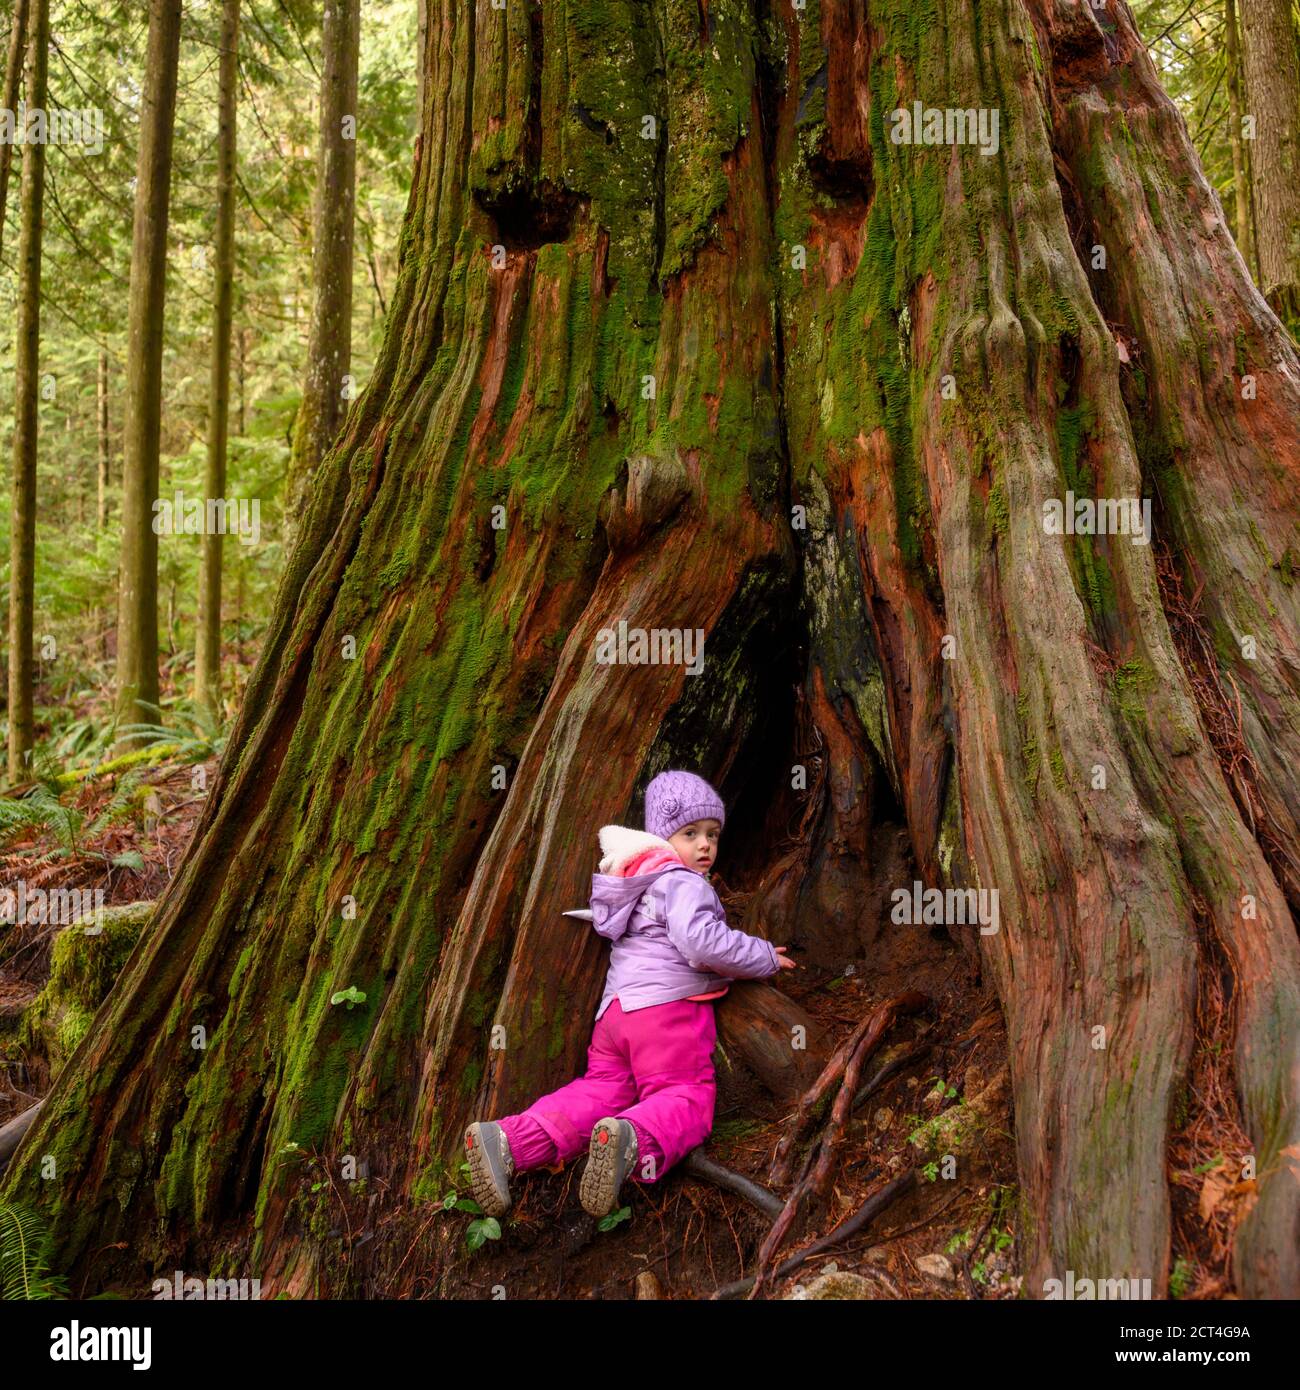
647	1098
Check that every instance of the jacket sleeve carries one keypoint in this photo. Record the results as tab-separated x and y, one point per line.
698	929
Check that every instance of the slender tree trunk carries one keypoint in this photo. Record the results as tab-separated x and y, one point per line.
1240	174
103	474
329	342
13	77
207	656
27	387
761	370
241	341
137	620
70	429
421	51
1272	67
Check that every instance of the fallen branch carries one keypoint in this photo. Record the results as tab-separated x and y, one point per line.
11	1134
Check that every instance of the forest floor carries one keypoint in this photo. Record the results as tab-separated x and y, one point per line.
87	821
949	1235
157	831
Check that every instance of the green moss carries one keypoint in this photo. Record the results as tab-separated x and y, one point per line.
1239	343
997	509
559	1029
1029	752
1261	545
83	968
952	1131
1057	761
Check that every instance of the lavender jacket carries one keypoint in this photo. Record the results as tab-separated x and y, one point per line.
668	928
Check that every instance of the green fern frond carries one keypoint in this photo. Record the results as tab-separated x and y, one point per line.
38	810
24	1243
121	805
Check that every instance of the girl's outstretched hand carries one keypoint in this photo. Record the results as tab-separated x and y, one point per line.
785	962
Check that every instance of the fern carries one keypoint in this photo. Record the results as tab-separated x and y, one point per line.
38	810
24	1243
121	805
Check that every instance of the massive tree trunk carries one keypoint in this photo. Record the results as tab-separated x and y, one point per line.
329	342
137	597
683	337
1272	65
207	645
27	401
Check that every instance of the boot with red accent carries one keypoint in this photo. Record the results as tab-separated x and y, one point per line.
491	1166
610	1159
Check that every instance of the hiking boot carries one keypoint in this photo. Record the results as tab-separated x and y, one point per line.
491	1166
610	1159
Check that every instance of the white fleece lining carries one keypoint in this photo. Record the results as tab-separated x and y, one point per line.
621	844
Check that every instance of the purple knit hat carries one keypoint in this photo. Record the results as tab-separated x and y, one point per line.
675	799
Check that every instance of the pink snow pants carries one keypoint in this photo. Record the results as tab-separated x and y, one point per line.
653	1067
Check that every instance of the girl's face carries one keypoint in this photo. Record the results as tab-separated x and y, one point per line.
697	844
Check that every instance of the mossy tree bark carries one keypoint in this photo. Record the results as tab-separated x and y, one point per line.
27	401
137	592
682	337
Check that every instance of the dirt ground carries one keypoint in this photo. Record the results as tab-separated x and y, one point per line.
693	1238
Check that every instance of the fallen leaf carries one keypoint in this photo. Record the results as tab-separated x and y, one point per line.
1213	1190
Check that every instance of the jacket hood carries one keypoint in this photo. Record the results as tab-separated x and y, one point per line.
619	845
615	894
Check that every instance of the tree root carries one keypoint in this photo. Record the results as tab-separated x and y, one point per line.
858	1045
875	1204
849	1057
888	1071
729	1181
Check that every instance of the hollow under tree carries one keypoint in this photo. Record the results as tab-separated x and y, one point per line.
919	346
